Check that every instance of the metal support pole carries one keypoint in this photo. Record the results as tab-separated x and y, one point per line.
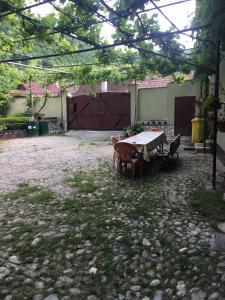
135	109
215	109
205	127
61	100
31	98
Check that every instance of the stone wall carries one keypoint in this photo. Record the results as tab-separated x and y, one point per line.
12	134
168	128
54	126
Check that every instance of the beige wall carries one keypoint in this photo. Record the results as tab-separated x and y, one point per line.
152	104
51	109
159	103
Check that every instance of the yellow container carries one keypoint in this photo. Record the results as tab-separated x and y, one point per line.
197	130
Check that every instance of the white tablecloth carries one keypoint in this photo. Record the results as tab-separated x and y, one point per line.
146	141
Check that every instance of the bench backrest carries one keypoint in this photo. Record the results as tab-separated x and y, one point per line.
174	145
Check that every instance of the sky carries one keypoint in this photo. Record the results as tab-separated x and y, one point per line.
180	15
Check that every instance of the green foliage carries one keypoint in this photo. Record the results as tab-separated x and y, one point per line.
12	120
31	101
178	78
80	29
24	190
134	128
211	13
15	115
9	77
12	123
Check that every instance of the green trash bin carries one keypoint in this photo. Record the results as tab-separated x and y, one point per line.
32	127
43	127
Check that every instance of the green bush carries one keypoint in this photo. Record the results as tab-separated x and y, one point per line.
16	115
13	123
135	128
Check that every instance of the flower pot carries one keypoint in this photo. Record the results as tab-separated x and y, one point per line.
221	126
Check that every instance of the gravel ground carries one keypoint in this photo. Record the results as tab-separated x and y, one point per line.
45	160
74	229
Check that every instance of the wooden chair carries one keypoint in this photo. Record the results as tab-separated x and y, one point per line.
172	149
114	140
128	154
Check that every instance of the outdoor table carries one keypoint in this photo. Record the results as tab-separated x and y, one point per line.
146	141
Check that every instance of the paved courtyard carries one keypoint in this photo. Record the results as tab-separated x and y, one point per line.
71	228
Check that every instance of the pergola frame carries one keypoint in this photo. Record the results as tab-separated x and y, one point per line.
129	41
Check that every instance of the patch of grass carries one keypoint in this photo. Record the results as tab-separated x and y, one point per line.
83	182
22	228
42	197
32	194
88	188
70	204
28	253
46	245
209	204
22	191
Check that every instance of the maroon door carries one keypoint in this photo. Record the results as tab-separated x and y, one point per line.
106	111
184	113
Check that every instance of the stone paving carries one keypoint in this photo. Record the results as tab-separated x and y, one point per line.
71	228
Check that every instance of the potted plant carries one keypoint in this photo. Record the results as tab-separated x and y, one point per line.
134	129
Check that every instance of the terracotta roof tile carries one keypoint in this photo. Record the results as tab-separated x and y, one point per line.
154	81
35	88
38	90
54	89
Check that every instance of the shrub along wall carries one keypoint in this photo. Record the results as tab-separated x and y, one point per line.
13	127
13	123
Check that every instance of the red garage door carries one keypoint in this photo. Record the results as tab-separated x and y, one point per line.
106	111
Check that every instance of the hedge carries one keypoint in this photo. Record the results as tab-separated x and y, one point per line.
13	123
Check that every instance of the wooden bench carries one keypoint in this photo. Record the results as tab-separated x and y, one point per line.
171	150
